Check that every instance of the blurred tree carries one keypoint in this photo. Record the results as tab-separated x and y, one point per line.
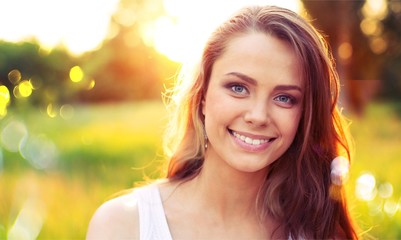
361	48
46	73
126	68
391	72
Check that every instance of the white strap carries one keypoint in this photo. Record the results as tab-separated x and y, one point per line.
152	218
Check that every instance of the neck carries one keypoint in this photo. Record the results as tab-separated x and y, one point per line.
227	191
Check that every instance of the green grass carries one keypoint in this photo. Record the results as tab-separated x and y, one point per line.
377	138
100	151
104	149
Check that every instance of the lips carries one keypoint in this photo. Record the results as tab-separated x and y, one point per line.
255	141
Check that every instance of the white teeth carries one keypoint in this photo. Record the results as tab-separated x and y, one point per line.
250	140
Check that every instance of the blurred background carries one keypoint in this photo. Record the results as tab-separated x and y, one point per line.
81	112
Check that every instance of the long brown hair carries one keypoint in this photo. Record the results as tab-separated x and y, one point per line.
297	190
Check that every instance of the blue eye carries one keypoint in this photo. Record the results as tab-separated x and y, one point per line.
239	89
285	99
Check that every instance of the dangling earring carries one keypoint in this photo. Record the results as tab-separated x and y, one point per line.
206	139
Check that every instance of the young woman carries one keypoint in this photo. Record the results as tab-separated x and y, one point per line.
250	145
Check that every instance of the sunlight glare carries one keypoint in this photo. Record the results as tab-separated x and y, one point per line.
29	221
375	9
79	25
181	33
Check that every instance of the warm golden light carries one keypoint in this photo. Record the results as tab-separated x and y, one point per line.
378	45
25	88
4	100
345	50
375	9
181	33
76	74
78	25
91	84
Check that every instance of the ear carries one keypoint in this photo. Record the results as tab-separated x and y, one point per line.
203	102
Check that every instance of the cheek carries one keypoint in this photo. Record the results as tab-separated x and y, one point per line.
290	123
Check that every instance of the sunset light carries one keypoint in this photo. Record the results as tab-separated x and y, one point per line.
78	25
81	26
181	33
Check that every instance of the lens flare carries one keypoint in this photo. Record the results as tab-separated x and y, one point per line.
76	74
4	100
51	110
91	84
13	135
14	76
25	88
29	221
39	151
385	190
391	207
67	111
339	170
365	188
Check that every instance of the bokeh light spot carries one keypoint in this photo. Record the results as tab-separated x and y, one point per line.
14	76
378	45
13	135
51	110
91	84
390	208
4	100
366	187
385	190
25	88
67	111
39	151
375	9
16	92
369	26
35	83
345	50
76	74
339	170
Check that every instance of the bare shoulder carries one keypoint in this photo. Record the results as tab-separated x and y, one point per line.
117	218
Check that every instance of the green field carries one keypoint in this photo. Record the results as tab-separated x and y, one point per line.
68	167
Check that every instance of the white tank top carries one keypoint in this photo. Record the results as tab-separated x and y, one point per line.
152	219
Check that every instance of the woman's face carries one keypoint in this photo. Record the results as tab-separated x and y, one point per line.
253	103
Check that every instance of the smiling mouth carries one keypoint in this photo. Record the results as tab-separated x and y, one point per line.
249	140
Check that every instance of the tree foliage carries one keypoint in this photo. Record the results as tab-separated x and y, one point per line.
375	52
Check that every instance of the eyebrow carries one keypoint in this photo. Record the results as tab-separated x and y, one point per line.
254	82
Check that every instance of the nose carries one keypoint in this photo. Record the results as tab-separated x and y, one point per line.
258	114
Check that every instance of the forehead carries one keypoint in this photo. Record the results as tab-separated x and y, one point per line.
261	56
